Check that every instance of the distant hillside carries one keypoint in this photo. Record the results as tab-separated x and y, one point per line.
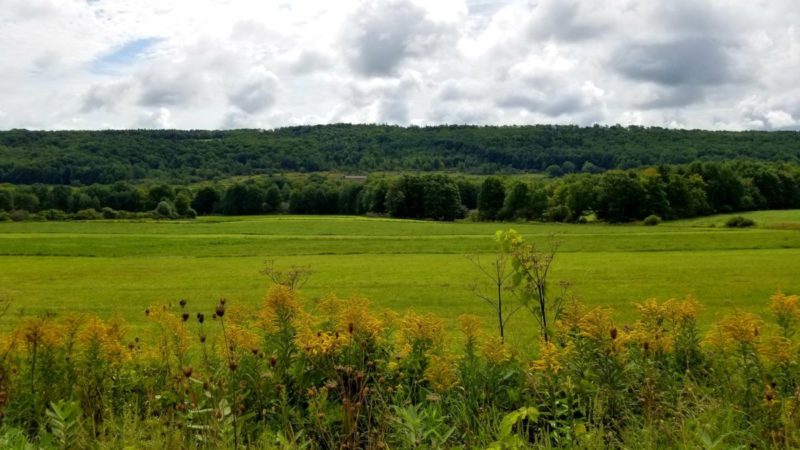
85	157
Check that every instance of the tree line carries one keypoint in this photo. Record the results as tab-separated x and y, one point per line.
669	192
190	156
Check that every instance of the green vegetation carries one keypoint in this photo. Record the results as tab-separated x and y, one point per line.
670	192
175	156
120	267
336	373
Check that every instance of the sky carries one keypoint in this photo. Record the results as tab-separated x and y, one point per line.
221	64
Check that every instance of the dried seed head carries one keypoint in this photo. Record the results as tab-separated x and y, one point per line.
613	334
201	318
187	372
185	317
182	303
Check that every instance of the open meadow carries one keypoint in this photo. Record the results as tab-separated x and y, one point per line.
109	267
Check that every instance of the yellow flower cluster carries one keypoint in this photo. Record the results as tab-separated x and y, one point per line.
426	329
596	324
321	343
105	336
441	373
550	358
37	331
736	329
470	325
785	305
356	319
496	351
172	329
279	309
568	321
778	349
241	338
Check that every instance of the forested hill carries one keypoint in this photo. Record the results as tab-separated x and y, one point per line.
85	157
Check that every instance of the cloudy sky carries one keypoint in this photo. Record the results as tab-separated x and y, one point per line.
718	64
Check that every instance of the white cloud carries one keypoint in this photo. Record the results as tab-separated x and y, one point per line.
251	63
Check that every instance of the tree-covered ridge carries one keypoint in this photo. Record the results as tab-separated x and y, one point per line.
87	157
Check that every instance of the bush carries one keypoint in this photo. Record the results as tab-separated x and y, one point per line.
53	214
739	222
109	213
87	214
560	213
165	210
19	215
652	220
4	216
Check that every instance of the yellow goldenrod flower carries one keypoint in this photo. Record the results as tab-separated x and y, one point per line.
441	373
550	357
496	351
470	325
736	329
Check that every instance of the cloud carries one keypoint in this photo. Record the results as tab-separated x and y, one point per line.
565	20
211	63
160	118
105	96
256	92
381	35
689	61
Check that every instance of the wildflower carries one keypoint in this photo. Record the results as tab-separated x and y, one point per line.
736	329
425	330
441	373
496	351
778	349
786	311
471	327
686	310
104	336
280	308
595	324
570	317
360	321
550	358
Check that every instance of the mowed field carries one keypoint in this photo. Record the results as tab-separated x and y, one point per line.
123	267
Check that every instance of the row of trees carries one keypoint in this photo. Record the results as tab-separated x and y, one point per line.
669	192
185	157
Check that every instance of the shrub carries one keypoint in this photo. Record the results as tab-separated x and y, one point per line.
109	213
165	210
652	220
4	216
19	215
53	214
87	214
739	222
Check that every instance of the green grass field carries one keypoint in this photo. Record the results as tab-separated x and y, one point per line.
122	267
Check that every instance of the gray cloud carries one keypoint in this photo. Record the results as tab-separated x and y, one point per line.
563	20
381	35
256	93
688	61
104	96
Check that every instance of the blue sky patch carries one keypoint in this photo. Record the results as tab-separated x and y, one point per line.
123	55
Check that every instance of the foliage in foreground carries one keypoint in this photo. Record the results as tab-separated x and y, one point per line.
339	375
